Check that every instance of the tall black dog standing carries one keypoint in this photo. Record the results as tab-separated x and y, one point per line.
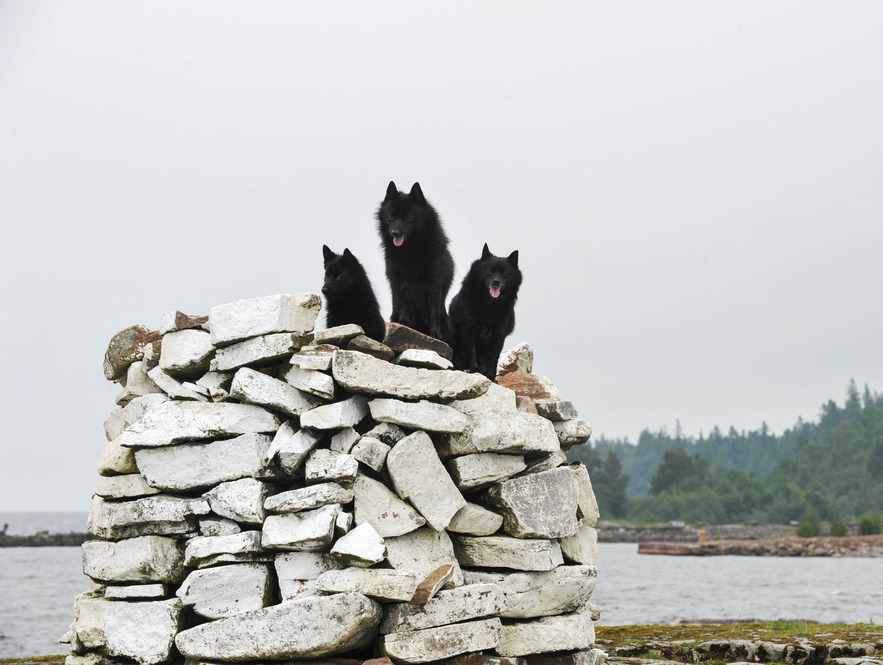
349	297
419	266
482	314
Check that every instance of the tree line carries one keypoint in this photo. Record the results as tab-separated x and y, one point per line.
830	469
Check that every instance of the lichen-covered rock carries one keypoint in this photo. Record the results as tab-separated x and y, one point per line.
360	373
306	531
347	413
257	388
383	584
204	549
573	432
497	431
588	504
475	520
421	415
559	591
506	552
568	632
539	505
173	320
126	347
424	646
186	352
530	385
379	506
307	498
310	627
472	472
310	381
226	591
517	360
128	486
421	552
472	601
263	316
158	515
581	547
256	352
240	500
142	559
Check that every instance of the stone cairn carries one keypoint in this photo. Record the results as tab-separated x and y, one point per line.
271	493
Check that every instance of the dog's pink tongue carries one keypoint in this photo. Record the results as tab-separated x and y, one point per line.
398	240
495	291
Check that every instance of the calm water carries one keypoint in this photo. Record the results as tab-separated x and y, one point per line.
37	587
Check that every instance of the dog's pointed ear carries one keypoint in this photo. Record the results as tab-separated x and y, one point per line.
417	194
485	253
348	255
327	253
391	191
513	259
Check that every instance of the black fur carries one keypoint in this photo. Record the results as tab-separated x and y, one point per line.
420	270
480	323
349	297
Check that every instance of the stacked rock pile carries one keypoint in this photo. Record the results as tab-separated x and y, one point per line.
273	493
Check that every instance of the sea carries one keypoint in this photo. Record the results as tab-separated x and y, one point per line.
38	585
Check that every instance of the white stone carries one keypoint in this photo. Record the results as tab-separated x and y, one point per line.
371	452
582	547
256	351
568	632
496	431
387	433
472	601
418	415
310	381
257	388
423	646
174	421
116	460
325	465
131	413
556	409
361	373
344	440
422	552
143	559
475	520
144	632
186	352
481	470
129	486
217	384
218	526
338	335
423	358
172	387
507	552
297	572
205	548
224	591
306	531
559	591
307	498
383	584
310	627
419	476
187	466
138	384
572	432
377	505
195	387
239	500
291	446
316	357
362	547
343	524
588	505
347	413
158	515
137	592
496	397
545	463
518	359
263	316
539	505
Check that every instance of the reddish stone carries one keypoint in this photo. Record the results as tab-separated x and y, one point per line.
400	338
372	347
529	385
126	347
433	584
185	321
526	404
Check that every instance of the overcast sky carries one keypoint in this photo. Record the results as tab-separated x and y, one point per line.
695	189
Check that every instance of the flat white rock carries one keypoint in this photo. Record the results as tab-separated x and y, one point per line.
239	500
567	632
344	440
361	373
480	470
383	584
120	419
158	515
423	358
423	646
588	504
225	591
115	459
471	601
496	397
174	388
128	486
307	498
174	421
138	384
137	592
362	547
204	548
581	547
422	552
559	591
508	552
347	413
325	465
141	559
310	627
297	572
186	352
263	316
419	476
377	505
256	351
187	466
291	447
421	415
539	505
497	431
306	531
310	381
371	452
475	520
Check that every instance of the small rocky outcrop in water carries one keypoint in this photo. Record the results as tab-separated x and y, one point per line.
273	493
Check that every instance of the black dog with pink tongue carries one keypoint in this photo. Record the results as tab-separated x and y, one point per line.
482	314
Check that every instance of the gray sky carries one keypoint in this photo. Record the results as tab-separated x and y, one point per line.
695	189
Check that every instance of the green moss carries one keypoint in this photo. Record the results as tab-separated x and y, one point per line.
35	659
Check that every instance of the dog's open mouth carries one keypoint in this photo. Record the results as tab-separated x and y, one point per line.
495	291
398	240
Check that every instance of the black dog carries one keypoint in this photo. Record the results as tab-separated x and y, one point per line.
349	297
483	312
419	266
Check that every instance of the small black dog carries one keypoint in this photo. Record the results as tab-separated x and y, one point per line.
483	312
349	297
419	266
